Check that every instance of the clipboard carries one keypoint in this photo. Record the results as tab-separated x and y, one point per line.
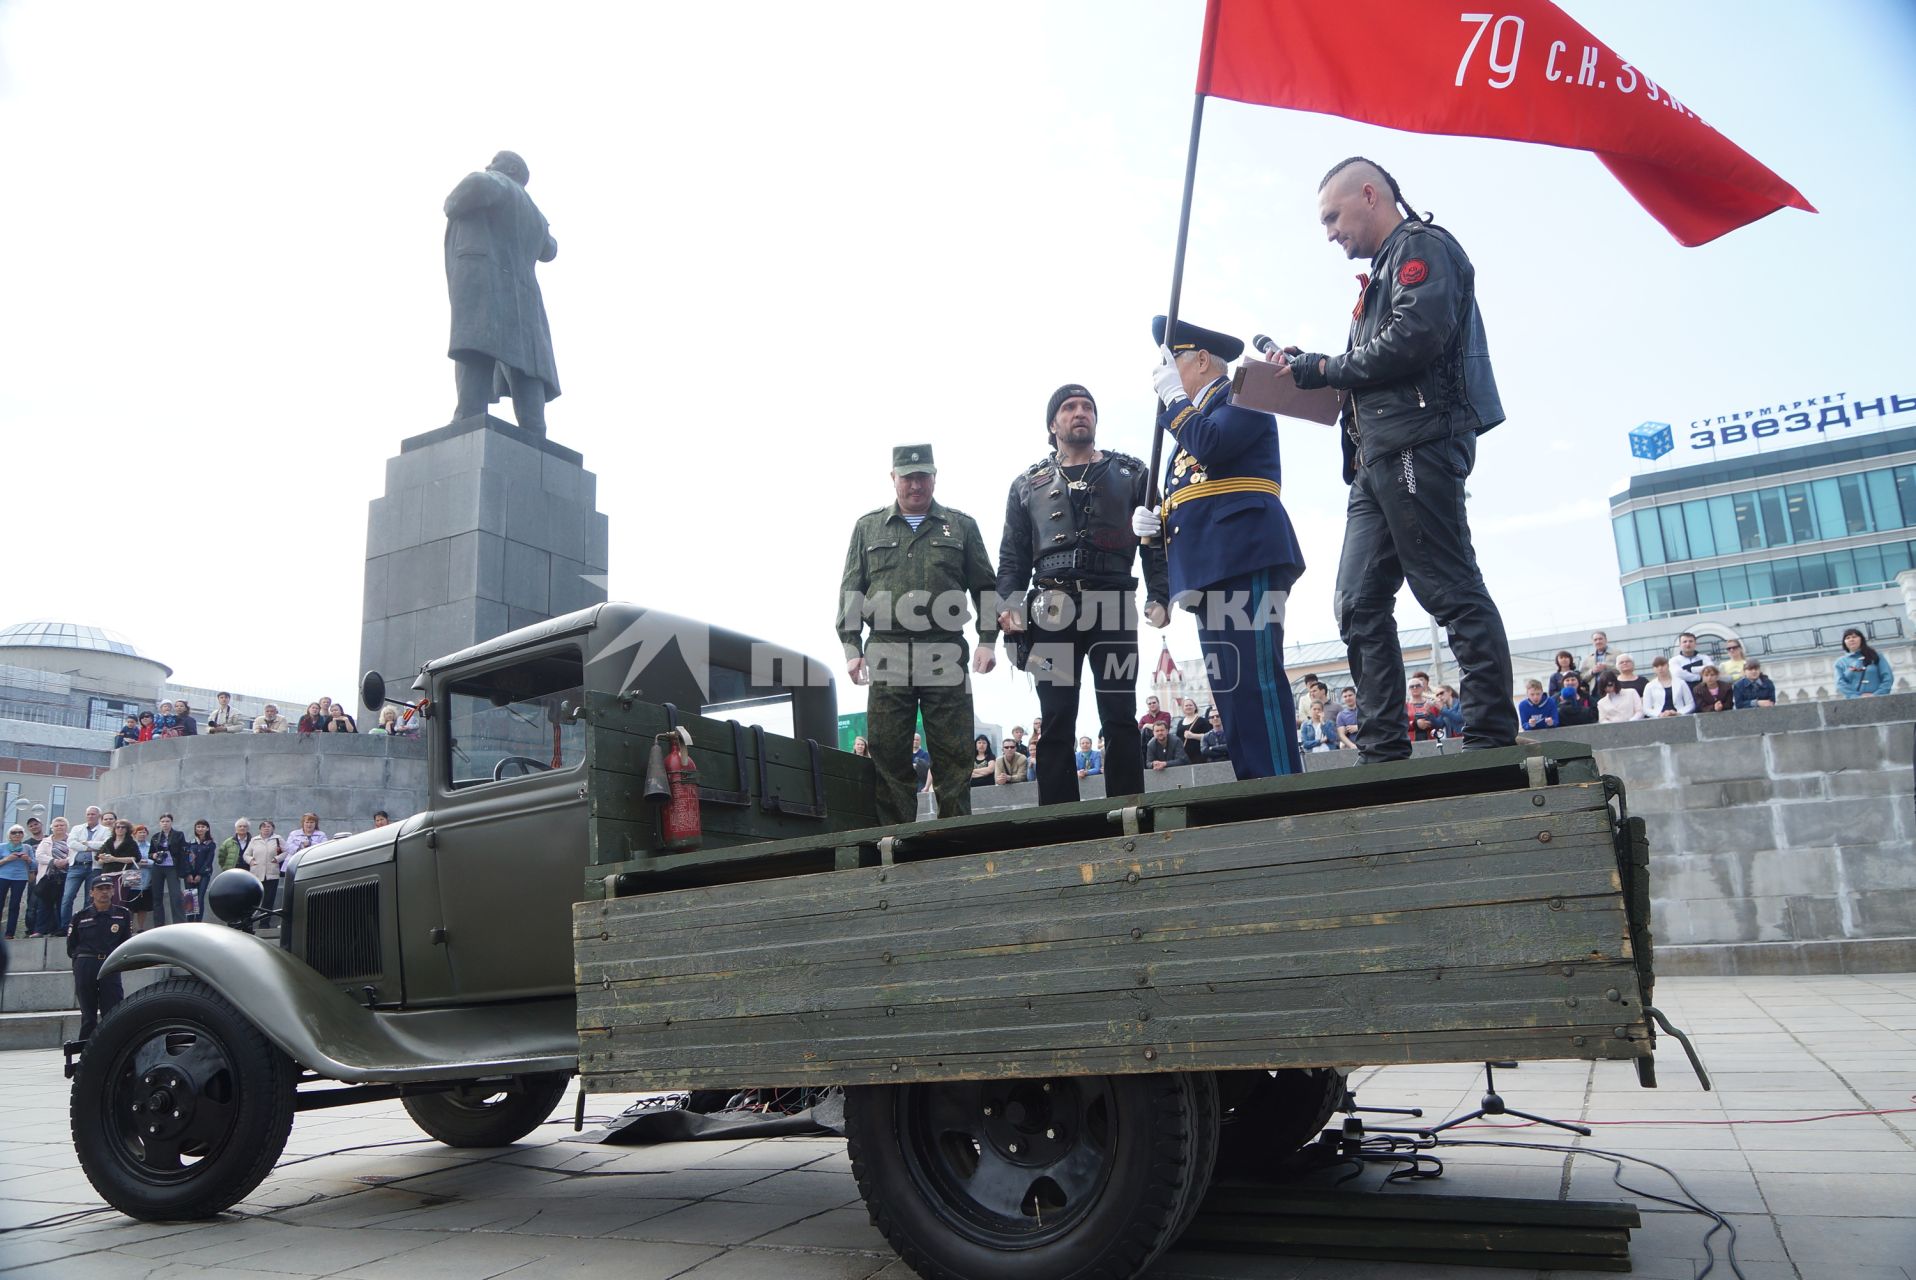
1261	385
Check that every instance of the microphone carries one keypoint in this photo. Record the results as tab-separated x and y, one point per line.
1265	345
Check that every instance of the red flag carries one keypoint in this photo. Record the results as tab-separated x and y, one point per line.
1167	665
1527	72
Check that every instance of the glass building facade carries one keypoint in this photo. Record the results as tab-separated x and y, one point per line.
1819	520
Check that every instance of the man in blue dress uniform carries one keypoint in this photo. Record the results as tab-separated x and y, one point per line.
1233	553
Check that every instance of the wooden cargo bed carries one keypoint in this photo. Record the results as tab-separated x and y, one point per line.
1462	908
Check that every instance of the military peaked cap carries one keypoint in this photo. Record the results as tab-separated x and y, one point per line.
912	459
1191	337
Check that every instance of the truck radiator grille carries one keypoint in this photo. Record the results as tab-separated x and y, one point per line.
342	931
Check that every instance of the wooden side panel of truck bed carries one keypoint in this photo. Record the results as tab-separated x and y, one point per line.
1457	927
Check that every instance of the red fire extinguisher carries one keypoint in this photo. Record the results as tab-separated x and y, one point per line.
679	826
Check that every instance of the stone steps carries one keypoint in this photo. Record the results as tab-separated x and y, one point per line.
29	955
33	955
38	1030
38	1011
51	990
37	1006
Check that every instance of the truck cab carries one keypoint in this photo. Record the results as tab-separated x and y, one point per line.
429	959
473	895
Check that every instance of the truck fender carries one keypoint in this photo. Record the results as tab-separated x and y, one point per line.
321	1027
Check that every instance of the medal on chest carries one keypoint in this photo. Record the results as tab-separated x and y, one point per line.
1186	470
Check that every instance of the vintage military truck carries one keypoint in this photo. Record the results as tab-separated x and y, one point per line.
1047	1023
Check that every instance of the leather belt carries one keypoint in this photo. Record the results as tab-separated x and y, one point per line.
1218	488
1081	562
1075	585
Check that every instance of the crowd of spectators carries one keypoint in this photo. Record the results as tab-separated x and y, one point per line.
1606	687
158	872
1602	687
175	719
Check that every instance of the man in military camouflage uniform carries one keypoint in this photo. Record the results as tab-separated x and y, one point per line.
913	571
1067	524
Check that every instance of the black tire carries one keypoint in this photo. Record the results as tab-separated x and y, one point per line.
1208	1116
1270	1114
488	1113
1074	1178
180	1106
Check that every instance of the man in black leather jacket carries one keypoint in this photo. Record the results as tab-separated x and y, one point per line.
1420	391
1068	529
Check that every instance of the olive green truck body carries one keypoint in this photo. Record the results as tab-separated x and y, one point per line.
1468	907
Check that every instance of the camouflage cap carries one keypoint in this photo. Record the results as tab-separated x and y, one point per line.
912	459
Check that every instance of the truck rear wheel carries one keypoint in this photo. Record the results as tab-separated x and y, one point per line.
1071	1178
488	1113
180	1106
1270	1114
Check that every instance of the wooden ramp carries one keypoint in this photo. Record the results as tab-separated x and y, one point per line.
1477	1231
1460	909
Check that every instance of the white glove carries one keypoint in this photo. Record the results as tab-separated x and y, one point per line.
1145	522
1165	377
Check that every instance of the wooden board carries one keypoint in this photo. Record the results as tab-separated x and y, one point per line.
1307	1220
1454	928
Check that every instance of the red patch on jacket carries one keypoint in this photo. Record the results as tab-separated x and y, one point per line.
1413	272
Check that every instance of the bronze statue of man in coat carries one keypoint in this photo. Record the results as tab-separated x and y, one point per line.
500	342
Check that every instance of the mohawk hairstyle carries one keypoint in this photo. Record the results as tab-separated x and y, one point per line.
1396	192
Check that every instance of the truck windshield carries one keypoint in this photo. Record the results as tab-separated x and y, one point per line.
510	722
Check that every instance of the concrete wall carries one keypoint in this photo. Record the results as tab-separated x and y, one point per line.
341	777
1783	839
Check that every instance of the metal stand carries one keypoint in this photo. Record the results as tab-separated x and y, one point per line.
1493	1105
1348	1139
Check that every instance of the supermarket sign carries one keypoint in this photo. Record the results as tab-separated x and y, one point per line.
1781	424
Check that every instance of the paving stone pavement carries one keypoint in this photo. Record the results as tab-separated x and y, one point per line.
361	1194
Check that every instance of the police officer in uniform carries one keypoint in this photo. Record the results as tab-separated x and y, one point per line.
95	931
1233	553
913	571
1067	524
1421	392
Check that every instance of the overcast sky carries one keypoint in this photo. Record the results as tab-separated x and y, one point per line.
795	236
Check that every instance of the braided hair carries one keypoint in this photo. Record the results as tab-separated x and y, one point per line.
1396	192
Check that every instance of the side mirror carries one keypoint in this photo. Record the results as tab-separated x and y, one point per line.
372	690
234	895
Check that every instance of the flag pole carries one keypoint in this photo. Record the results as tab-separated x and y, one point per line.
1177	279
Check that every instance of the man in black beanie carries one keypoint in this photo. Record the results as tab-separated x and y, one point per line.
1067	526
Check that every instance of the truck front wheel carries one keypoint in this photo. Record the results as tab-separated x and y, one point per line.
180	1106
1079	1177
488	1113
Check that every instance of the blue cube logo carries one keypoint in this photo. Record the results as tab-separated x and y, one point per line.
1651	440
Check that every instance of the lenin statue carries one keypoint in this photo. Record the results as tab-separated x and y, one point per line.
500	343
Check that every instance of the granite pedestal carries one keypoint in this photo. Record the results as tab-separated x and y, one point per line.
483	528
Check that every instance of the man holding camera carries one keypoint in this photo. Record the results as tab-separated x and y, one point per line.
1418	373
